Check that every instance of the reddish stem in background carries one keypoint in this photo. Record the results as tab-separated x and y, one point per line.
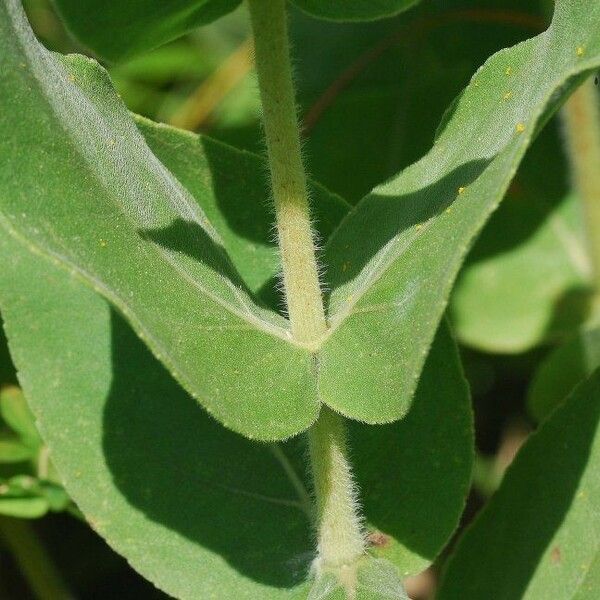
416	28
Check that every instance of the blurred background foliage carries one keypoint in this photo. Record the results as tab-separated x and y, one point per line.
370	97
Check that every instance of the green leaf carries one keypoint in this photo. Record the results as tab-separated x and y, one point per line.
385	83
16	414
354	10
562	370
194	507
539	535
117	30
13	450
390	288
131	231
231	188
26	507
527	279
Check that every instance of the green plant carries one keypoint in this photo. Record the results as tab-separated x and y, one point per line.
137	255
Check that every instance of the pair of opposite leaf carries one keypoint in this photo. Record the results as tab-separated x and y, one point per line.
100	397
147	246
138	515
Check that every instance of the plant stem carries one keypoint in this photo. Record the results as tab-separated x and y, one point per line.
31	557
340	537
288	180
341	541
581	117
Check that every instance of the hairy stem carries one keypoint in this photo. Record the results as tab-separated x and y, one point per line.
581	117
340	539
31	557
300	272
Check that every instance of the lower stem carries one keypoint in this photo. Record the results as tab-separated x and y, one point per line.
340	535
581	118
32	559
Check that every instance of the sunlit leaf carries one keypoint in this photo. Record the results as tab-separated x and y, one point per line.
90	194
390	287
184	499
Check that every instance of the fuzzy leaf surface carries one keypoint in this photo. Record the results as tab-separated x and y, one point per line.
117	30
232	189
539	536
80	185
192	506
390	287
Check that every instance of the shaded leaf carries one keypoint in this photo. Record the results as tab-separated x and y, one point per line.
562	370
23	507
354	10
232	189
13	450
539	536
117	30
390	287
385	83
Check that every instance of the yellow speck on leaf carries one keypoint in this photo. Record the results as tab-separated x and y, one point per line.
103	243
520	127
507	96
449	209
508	71
418	226
345	266
580	51
72	78
461	189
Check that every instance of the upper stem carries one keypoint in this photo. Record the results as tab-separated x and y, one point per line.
300	271
581	117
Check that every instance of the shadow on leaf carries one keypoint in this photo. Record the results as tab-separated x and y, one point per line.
188	473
